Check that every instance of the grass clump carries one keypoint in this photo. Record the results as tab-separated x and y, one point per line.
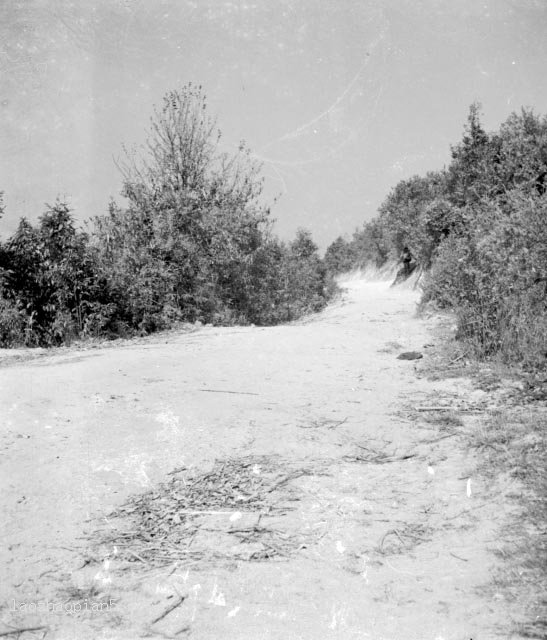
514	443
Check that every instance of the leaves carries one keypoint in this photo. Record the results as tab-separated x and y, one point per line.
194	243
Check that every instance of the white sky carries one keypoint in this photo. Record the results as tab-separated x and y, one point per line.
339	98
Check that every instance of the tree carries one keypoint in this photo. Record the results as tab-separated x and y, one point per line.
522	156
4	263
402	215
181	166
471	166
339	256
51	276
303	247
194	218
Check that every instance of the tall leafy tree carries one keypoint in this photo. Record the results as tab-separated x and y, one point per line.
194	217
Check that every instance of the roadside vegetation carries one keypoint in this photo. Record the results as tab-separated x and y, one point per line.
504	428
193	243
513	444
478	230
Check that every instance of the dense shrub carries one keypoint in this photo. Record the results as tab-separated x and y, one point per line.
13	323
368	246
340	256
495	278
49	277
305	279
478	229
193	243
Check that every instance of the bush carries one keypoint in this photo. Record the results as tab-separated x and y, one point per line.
194	243
479	229
495	278
13	322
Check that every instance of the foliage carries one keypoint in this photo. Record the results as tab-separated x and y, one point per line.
368	245
193	243
48	279
305	279
340	256
479	229
496	279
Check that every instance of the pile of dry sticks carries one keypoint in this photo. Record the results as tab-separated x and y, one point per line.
211	516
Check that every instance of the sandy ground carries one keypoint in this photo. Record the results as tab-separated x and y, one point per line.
397	550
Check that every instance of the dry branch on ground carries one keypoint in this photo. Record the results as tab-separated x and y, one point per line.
204	516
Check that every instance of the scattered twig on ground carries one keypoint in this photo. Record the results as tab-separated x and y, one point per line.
47	571
362	446
388	533
459	557
379	457
461	513
291	476
177	470
136	555
170	608
413	532
329	424
460	357
449	408
448	435
19	630
240	393
337	424
407	456
179	519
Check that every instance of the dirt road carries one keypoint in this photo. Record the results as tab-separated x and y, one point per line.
394	533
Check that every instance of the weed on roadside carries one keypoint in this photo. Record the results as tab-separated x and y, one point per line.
444	420
514	443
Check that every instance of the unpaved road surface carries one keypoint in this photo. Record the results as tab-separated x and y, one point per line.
395	535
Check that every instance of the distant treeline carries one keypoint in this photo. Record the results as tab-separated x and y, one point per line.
478	229
193	243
